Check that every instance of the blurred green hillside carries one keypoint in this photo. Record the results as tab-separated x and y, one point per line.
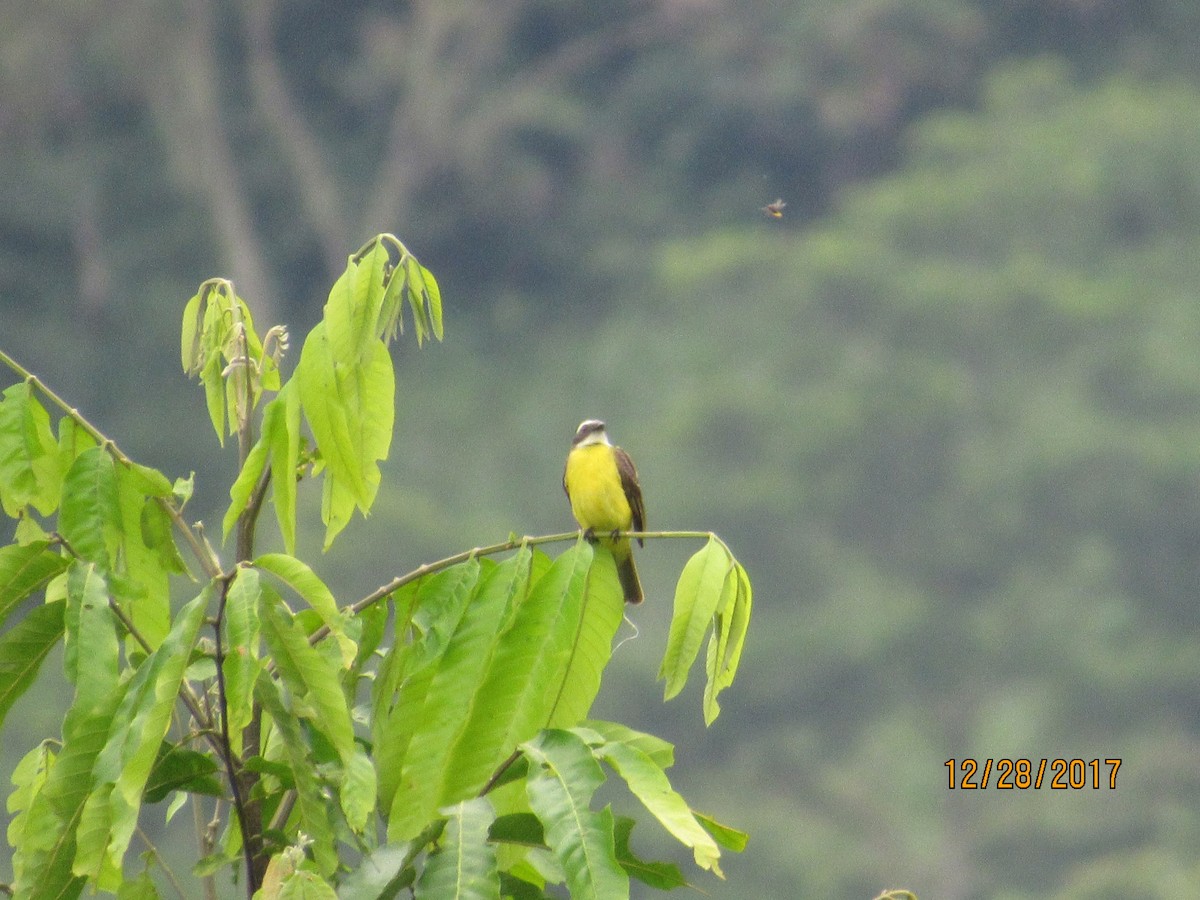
946	411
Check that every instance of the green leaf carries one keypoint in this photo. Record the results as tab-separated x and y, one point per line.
90	518
649	784
445	762
383	873
352	311
536	650
311	803
158	536
244	485
662	876
602	611
24	570
30	465
306	885
121	770
727	639
142	588
92	649
241	666
562	780
311	678
698	595
47	848
349	405
660	752
24	647
524	829
28	779
400	715
464	864
181	769
728	837
281	428
301	579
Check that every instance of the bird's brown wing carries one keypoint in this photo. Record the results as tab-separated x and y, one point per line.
633	490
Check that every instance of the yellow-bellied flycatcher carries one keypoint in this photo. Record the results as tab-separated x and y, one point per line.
605	496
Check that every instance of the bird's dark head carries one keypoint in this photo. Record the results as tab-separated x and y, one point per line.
590	431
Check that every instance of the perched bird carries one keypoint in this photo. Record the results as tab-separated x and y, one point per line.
602	485
775	210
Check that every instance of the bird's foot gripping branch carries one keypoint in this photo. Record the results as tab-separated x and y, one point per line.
432	735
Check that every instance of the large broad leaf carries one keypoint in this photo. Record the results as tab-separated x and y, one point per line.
601	614
110	814
529	666
463	866
562	779
435	772
22	649
441	601
30	465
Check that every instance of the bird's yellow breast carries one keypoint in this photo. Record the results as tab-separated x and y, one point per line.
594	486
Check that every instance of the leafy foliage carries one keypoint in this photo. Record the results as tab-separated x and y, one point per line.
429	727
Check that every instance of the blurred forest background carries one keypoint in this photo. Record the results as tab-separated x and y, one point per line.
946	410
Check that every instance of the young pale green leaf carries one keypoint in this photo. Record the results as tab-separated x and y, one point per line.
310	800
602	611
25	570
661	876
727	638
90	518
304	581
281	428
247	481
326	414
649	784
463	866
91	644
121	770
415	290
697	597
23	648
304	885
352	311
562	779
